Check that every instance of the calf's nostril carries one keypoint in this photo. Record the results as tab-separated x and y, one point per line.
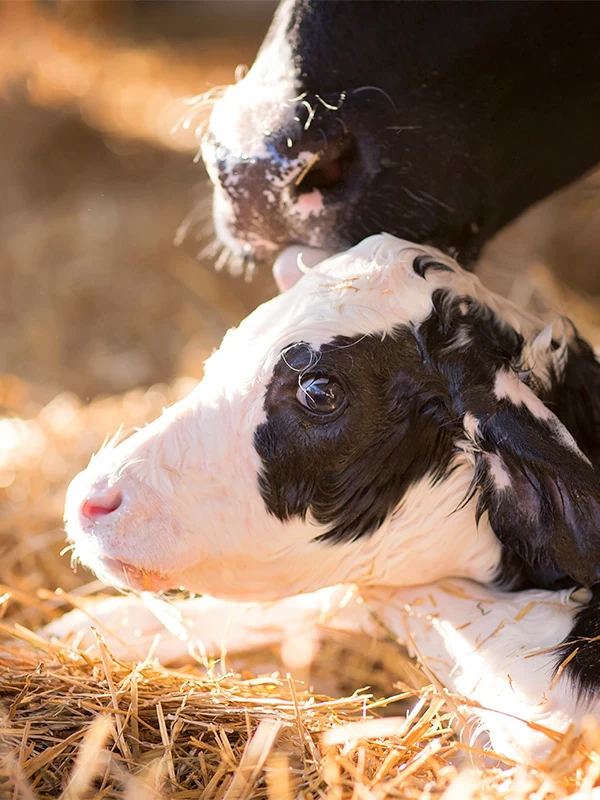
101	504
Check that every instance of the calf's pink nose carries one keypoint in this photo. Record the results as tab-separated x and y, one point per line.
101	503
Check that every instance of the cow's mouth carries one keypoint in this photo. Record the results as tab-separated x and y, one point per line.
129	576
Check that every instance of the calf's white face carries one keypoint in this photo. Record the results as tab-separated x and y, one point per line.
332	439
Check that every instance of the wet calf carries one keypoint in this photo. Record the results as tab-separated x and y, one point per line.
386	393
387	422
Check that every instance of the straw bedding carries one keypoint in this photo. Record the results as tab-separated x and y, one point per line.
76	727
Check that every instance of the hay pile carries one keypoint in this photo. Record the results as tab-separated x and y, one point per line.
78	727
74	728
182	735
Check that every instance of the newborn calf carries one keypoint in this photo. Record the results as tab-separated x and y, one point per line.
386	422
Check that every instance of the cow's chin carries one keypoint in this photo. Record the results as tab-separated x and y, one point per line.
238	580
224	582
143	560
239	241
119	570
124	575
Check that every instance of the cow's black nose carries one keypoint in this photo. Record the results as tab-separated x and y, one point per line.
297	158
279	172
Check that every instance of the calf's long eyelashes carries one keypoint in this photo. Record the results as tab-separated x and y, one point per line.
321	395
315	389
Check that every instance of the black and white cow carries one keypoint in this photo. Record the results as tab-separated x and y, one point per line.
436	122
386	422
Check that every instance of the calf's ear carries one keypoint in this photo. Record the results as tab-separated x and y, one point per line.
541	493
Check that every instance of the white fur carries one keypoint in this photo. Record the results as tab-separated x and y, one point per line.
508	386
492	649
496	649
498	472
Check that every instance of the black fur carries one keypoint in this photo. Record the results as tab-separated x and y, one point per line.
575	398
408	395
445	120
581	650
549	516
353	472
423	263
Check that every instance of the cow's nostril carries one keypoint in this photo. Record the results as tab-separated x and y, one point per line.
101	504
325	171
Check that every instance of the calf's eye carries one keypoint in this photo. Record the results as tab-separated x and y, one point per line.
321	395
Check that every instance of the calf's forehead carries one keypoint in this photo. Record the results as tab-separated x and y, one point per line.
374	288
370	288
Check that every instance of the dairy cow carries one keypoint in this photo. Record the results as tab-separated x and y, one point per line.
436	122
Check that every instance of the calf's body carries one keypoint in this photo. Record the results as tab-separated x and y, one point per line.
386	422
496	652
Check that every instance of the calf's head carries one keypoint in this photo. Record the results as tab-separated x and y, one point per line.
338	435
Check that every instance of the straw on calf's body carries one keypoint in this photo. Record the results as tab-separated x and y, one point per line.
497	651
385	422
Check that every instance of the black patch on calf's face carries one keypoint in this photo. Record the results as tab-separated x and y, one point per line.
409	394
353	471
402	421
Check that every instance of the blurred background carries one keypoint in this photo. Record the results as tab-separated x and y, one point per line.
109	299
98	133
99	129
